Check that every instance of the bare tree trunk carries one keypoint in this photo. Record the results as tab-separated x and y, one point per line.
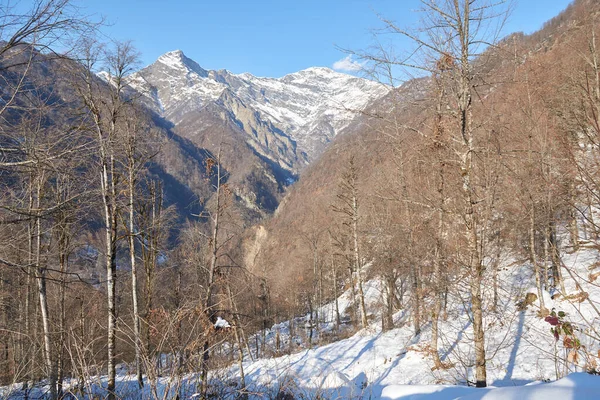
150	257
414	271
335	283
573	227
110	215
212	271
556	262
41	280
388	314
108	117
81	380
349	196
236	321
336	297
465	108
317	278
28	347
357	263
440	234
292	334
416	298
547	257
134	284
437	307
477	309
534	260
310	321
63	260
320	294
361	297
475	267
353	292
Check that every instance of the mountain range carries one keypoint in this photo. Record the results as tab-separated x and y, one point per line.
287	120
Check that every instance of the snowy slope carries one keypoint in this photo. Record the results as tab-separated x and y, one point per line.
309	107
522	352
575	386
520	347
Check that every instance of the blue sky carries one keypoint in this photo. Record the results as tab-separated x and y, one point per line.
271	37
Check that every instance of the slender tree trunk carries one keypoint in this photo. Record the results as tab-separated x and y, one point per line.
547	257
209	304
573	227
469	197
81	380
440	234
310	321
534	260
41	280
358	264
150	258
353	292
414	270
109	199
590	218
236	321
388	314
495	266
292	334
479	339
316	275
349	196
416	298
320	295
265	312
436	310
63	260
476	269
180	345
134	284
28	347
335	288
336	298
556	262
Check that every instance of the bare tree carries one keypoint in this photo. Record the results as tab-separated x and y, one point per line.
139	151
107	107
452	37
217	240
348	207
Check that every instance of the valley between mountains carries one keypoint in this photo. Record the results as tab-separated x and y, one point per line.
176	232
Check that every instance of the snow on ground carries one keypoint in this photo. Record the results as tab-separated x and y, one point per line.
522	352
575	386
520	347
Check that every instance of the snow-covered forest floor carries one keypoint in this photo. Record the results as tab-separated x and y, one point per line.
522	353
520	347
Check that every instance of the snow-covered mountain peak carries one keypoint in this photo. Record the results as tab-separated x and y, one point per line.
178	61
308	107
174	59
175	54
104	75
314	71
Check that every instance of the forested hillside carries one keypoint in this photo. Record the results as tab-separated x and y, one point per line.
153	231
489	158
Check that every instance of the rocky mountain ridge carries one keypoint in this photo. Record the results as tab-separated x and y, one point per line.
288	120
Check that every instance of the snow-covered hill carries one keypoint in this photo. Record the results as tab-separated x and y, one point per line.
520	347
308	108
522	353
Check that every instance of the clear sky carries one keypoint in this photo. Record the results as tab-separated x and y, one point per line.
271	37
